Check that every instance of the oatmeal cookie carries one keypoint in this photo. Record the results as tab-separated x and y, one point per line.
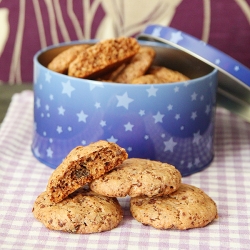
188	207
167	74
82	212
136	177
61	62
103	57
138	65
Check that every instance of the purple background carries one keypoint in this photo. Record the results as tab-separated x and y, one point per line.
229	30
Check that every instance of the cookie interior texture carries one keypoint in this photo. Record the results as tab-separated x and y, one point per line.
82	165
136	177
103	57
82	212
188	207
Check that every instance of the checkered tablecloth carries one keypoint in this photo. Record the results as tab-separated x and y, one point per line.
23	178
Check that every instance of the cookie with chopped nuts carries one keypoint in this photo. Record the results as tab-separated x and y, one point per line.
103	57
137	177
138	65
148	79
188	207
81	166
167	74
61	62
82	212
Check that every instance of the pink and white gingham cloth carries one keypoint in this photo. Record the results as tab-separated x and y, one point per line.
23	178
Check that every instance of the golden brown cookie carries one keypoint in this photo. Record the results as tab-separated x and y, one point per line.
102	57
188	207
61	62
138	65
148	79
82	212
82	165
167	74
136	177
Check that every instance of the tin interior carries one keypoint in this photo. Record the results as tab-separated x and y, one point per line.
165	56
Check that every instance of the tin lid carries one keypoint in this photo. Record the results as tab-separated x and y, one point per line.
233	77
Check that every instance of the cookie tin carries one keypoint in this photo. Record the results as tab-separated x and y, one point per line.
233	77
171	123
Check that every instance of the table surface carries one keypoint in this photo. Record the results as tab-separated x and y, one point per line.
23	178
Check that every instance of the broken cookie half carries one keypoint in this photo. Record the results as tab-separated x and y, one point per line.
81	166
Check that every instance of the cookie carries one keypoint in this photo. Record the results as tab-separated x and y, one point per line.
167	74
82	165
102	57
188	207
82	212
148	79
136	177
61	62
138	65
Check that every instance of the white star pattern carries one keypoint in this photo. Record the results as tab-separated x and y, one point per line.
170	107
47	76
82	116
47	107
67	88
112	139
176	37
217	61
208	109
177	116
51	97
103	123
157	31
158	117
124	100
96	84
197	137
194	115
190	165
129	149
197	161
61	110
142	112
152	91
59	129
176	89
146	137
49	152
169	145
236	68
128	126
193	96
83	142
97	105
